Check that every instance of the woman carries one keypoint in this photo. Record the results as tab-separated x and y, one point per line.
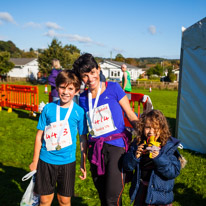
56	69
103	103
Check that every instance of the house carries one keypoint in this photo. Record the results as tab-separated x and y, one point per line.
176	72
112	70
24	68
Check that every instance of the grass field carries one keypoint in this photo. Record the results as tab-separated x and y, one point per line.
17	134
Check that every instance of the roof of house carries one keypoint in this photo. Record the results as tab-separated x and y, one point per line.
21	61
145	69
119	64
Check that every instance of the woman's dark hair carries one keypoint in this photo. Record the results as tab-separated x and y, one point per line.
85	63
68	77
158	121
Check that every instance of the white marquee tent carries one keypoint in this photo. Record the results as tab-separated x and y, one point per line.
191	110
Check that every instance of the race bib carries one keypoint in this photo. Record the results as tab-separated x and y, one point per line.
103	122
50	135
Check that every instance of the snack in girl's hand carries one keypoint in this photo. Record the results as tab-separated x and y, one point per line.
152	145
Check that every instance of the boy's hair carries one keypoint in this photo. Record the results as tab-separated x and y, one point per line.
158	121
68	77
85	63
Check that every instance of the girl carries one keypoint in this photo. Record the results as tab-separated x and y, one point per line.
153	180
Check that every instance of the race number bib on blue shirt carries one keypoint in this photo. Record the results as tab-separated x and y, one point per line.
102	122
50	135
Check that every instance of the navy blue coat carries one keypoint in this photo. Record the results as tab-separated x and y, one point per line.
167	167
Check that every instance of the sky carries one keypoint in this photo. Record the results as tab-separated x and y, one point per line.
133	28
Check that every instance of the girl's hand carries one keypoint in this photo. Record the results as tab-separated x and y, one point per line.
139	150
155	153
33	166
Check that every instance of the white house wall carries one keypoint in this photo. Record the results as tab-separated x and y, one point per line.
29	70
107	70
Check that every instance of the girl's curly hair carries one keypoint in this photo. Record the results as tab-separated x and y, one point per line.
158	121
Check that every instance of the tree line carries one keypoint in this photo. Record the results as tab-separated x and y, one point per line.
67	54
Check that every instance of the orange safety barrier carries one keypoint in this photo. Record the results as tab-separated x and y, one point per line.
19	96
134	97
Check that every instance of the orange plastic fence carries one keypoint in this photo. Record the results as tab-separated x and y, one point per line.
134	97
19	96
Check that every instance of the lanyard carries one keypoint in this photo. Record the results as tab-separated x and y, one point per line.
65	119
91	111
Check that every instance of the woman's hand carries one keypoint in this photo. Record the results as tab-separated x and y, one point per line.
84	174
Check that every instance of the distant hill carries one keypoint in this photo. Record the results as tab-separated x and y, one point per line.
10	47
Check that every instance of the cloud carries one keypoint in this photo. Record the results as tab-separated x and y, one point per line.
53	25
51	33
152	29
78	38
117	50
6	17
33	25
72	38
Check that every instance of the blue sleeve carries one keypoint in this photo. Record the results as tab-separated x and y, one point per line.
42	119
167	165
130	161
119	91
82	125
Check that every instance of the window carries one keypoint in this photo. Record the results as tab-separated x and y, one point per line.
115	74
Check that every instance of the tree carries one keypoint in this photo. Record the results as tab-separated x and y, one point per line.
72	49
131	61
119	58
30	54
5	64
156	70
10	47
171	76
66	55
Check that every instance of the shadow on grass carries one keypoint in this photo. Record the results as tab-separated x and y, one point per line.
12	187
194	153
172	125
25	114
187	196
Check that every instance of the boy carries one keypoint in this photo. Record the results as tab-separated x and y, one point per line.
55	144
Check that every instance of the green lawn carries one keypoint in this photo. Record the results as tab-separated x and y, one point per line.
17	134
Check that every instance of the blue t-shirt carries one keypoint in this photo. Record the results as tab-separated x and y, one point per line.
77	121
112	95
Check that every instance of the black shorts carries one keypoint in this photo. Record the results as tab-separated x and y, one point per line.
48	176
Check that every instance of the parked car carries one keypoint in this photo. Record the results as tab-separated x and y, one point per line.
42	80
165	79
114	79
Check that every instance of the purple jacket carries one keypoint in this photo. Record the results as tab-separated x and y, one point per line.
52	81
97	157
